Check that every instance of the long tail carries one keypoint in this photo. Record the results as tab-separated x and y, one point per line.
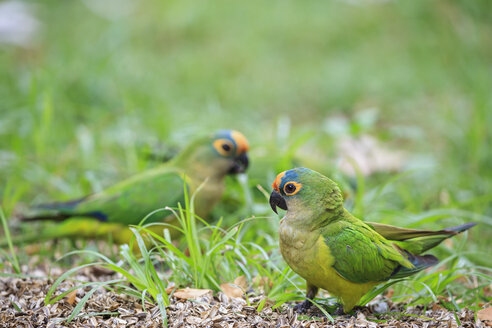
60	211
461	227
420	262
82	226
52	216
418	241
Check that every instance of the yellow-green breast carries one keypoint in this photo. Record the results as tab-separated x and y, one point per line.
308	255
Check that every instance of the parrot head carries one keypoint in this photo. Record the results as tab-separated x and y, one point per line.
302	190
232	146
224	152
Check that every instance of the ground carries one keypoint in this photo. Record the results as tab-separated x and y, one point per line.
22	305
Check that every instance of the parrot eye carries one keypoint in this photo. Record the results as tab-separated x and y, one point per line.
223	146
292	188
289	188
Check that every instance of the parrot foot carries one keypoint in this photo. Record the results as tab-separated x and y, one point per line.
303	306
339	310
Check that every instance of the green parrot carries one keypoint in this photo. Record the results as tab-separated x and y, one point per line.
208	159
331	249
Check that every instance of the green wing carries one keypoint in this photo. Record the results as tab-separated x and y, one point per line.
133	199
361	255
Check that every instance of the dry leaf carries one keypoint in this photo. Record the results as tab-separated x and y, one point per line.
71	297
241	282
236	288
170	288
231	290
485	315
191	293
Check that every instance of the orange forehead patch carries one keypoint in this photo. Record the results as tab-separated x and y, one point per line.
277	181
241	142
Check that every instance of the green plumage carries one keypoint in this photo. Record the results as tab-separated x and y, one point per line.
333	250
126	202
205	161
361	254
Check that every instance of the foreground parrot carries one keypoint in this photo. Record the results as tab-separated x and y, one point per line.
331	249
110	211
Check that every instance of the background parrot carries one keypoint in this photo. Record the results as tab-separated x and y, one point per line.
128	202
333	250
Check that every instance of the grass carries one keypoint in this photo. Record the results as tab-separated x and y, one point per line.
209	260
12	257
99	89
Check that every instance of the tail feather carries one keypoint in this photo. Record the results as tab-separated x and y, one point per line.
68	205
422	244
397	233
461	227
420	262
57	211
41	217
417	241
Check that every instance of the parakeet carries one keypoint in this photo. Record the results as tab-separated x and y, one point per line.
208	159
333	250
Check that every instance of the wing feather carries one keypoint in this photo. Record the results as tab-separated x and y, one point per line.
361	255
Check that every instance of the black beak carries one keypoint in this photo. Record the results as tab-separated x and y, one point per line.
277	200
240	164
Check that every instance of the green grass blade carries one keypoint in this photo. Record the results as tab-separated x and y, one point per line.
12	256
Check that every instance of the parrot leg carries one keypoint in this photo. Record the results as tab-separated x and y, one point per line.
339	310
311	292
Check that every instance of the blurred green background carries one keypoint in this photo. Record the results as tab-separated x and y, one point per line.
104	83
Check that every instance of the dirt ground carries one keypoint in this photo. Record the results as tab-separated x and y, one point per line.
22	305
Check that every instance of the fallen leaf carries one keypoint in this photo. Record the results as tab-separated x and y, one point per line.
170	288
236	288
231	290
191	293
241	282
485	315
71	297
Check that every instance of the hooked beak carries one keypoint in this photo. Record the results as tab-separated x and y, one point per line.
277	200
240	164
